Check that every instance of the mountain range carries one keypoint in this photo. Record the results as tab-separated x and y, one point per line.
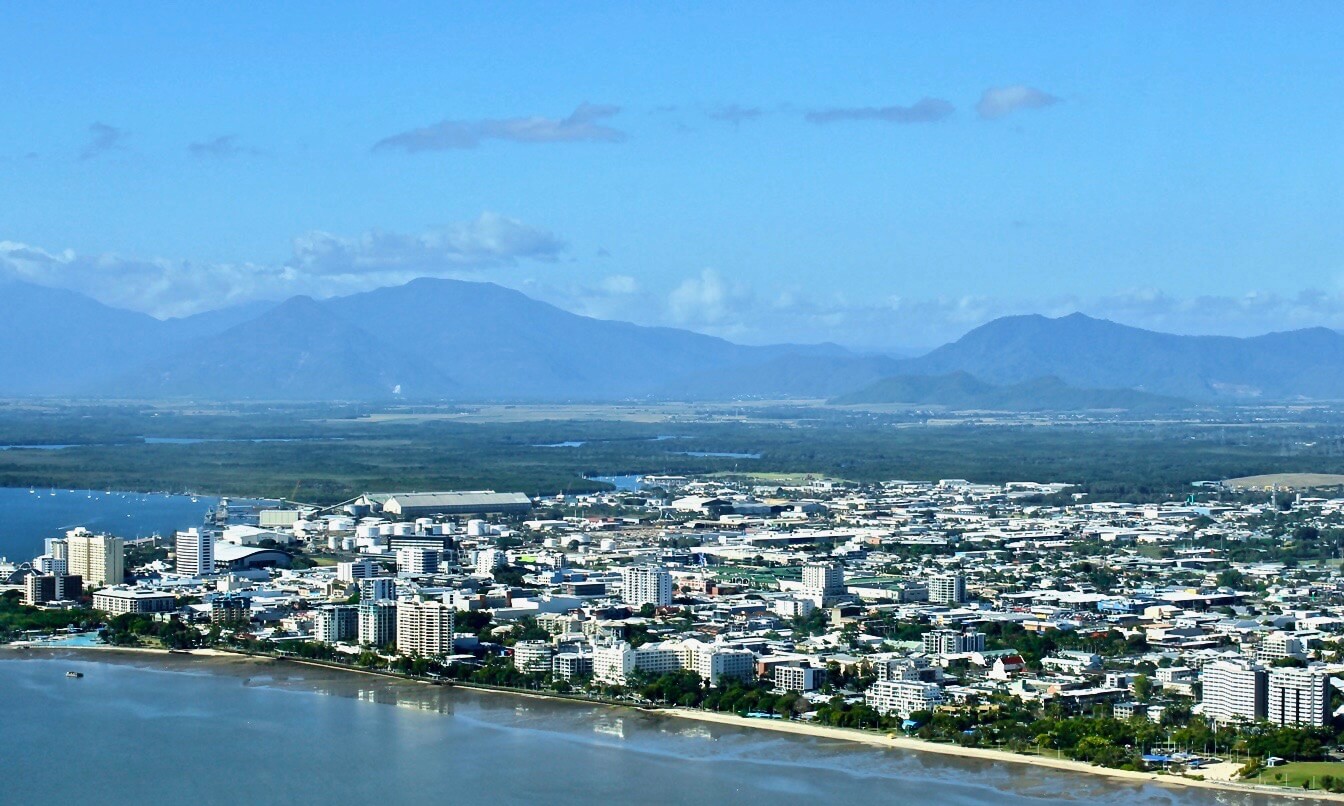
455	340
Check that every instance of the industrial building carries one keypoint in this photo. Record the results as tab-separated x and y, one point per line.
409	506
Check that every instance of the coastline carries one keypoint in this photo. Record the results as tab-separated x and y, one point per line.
906	743
868	738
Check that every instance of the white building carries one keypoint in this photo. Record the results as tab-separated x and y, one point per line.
615	662
714	663
1073	662
947	589
791	607
798	678
533	656
1299	697
1279	645
488	560
951	642
417	562
356	570
377	622
903	697
372	589
646	584
424	628
47	564
124	599
569	665
1234	690
194	552
823	580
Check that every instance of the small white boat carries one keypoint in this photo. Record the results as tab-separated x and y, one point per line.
74	674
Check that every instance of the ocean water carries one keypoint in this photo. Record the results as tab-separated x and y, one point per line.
26	518
180	729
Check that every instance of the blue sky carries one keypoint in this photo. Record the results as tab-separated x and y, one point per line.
880	175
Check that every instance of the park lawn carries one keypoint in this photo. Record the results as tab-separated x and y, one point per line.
1295	772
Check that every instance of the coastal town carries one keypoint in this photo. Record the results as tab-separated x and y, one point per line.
1197	639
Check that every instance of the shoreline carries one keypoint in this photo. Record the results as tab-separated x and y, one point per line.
905	743
794	727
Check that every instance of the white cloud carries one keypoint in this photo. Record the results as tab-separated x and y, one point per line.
620	284
997	102
321	265
708	301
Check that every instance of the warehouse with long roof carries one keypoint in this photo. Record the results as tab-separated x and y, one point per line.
409	506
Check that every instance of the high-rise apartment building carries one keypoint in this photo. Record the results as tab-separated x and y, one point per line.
424	628
823	581
1234	690
947	589
952	642
99	560
1299	696
377	622
336	623
195	553
417	562
42	588
646	584
372	589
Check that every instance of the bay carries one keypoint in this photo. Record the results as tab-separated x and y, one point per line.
26	518
174	729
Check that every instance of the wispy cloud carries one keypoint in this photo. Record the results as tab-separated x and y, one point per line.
997	102
103	138
224	146
735	114
584	124
925	110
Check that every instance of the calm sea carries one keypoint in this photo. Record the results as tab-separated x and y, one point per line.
184	730
27	517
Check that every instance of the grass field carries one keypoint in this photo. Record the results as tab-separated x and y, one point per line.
1295	481
1295	773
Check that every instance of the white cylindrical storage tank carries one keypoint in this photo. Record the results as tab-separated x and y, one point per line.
423	525
367	530
403	529
386	529
333	543
607	544
347	544
551	542
476	528
340	524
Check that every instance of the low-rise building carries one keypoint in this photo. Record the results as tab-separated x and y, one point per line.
125	599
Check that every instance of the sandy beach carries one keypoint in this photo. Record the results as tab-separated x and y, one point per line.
898	742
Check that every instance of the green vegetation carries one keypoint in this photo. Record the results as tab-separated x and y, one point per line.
332	453
1326	775
16	618
131	629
